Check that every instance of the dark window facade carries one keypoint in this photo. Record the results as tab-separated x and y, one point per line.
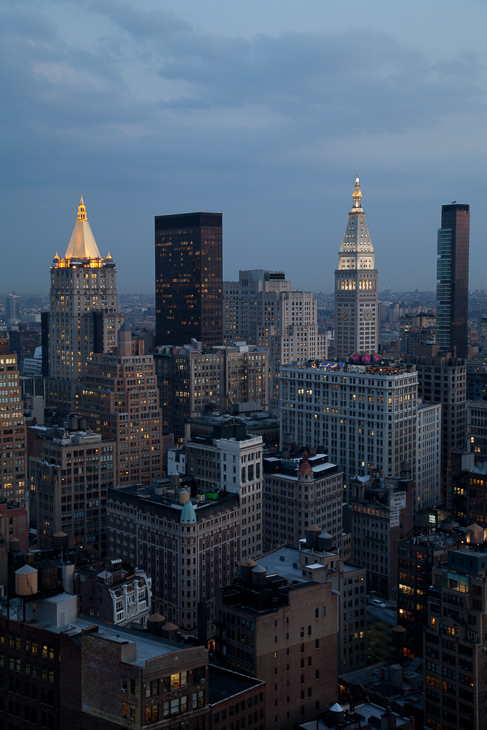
189	278
452	287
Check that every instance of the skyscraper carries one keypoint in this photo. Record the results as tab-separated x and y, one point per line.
452	276
189	278
13	438
83	317
12	308
356	287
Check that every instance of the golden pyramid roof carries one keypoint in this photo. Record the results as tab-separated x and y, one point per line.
82	244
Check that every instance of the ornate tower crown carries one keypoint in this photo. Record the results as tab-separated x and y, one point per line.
82	244
356	239
357	196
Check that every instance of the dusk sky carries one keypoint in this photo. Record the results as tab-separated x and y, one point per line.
264	111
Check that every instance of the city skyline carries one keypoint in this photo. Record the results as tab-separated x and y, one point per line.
152	112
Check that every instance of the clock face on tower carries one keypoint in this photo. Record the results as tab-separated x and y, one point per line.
367	315
345	315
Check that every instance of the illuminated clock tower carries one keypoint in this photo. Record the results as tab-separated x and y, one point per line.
356	287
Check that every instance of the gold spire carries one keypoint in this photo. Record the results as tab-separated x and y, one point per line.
81	211
357	194
82	244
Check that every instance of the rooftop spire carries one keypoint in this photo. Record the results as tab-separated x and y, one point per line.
82	244
357	195
81	211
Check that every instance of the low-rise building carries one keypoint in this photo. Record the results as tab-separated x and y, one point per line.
114	595
235	699
59	671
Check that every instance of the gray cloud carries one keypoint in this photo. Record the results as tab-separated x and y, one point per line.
142	104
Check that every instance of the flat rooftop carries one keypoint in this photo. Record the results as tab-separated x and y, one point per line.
148	647
223	684
350	368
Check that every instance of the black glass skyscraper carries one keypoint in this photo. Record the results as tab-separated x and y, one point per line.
189	278
452	276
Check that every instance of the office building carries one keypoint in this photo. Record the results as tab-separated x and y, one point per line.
12	308
194	379
261	308
14	542
364	417
476	381
285	633
13	435
442	379
482	330
455	682
427	488
220	454
71	478
379	514
188	546
349	582
189	278
23	342
415	329
83	317
416	558
477	428
469	485
356	287
452	280
119	398
300	492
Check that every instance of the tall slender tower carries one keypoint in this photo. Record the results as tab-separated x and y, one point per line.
83	316
452	280
356	287
13	438
189	278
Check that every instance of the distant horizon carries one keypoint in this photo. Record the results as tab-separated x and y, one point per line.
46	293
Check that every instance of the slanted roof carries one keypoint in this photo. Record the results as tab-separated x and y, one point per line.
82	244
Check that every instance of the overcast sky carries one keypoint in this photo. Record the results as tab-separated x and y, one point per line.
264	110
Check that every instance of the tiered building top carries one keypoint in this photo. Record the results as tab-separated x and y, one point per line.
356	239
82	249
